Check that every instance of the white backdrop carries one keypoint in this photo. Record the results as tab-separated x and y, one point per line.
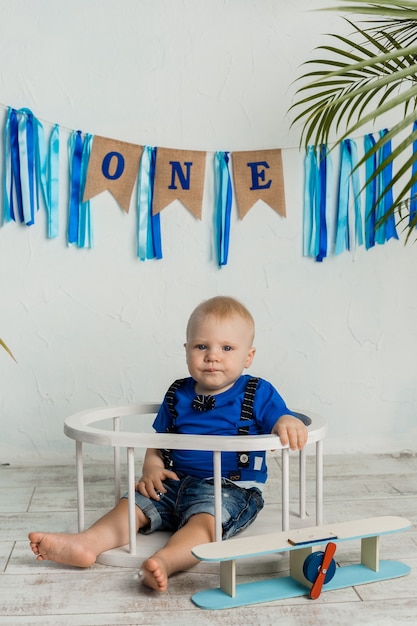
97	327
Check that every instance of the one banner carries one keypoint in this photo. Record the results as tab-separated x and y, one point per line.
113	166
258	175
179	176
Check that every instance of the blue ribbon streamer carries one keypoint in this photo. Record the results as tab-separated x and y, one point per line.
325	170
7	172
349	176
15	185
413	191
370	193
53	183
374	210
155	219
223	203
85	231
311	191
386	230
317	197
26	167
26	144
145	248
75	145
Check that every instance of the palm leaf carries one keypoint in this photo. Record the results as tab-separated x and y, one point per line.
3	345
361	78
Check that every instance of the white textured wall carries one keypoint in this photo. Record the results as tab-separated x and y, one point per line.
97	327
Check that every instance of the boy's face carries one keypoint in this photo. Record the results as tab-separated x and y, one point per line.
217	352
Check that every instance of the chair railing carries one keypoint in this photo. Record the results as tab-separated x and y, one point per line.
83	429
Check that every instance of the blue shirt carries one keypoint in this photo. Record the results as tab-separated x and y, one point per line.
223	419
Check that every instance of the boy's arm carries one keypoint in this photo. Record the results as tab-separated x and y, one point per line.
153	473
292	431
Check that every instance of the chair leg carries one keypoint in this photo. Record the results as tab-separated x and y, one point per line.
285	477
80	485
319	483
131	499
302	483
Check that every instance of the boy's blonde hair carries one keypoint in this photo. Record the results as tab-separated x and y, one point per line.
221	307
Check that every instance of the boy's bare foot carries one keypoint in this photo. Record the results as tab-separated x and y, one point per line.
61	548
153	574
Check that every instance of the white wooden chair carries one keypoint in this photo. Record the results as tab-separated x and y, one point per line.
83	428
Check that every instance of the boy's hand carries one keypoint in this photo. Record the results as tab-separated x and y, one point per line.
151	485
291	431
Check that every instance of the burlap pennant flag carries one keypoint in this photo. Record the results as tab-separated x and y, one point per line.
179	176
258	175
113	165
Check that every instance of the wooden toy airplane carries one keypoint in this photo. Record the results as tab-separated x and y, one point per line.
308	570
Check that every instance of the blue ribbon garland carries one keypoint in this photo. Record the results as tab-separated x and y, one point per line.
223	204
413	191
349	177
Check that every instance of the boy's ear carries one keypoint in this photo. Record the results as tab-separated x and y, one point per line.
251	354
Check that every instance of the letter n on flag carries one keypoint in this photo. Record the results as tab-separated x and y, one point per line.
113	165
258	175
179	175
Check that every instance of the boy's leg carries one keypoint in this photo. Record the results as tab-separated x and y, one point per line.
176	555
82	549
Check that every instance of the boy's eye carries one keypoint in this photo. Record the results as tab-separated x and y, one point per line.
201	346
227	348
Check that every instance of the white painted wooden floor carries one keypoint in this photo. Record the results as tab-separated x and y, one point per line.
44	498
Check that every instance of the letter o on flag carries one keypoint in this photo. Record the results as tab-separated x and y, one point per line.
116	160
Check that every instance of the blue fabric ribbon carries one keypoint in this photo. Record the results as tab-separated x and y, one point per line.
378	195
413	191
7	172
75	145
53	183
317	199
370	192
325	191
155	219
26	146
386	230
26	167
223	203
349	177
15	184
145	248
85	230
311	191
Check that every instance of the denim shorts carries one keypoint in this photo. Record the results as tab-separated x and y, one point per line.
190	495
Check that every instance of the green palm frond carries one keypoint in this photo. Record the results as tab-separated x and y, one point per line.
3	345
359	78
